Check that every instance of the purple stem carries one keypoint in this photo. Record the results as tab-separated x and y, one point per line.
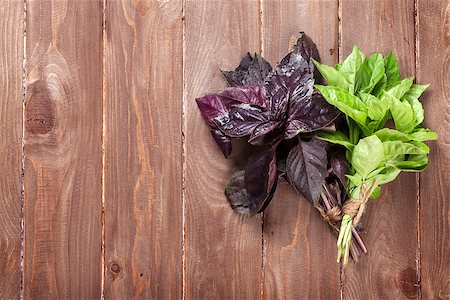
359	240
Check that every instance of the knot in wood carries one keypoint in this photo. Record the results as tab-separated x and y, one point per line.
40	112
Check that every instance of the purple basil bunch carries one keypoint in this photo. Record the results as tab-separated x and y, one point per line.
278	112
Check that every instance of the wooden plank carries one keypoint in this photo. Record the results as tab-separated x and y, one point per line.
143	149
299	261
223	249
11	59
389	270
63	150
434	68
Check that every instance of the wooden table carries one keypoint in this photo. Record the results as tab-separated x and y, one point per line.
111	185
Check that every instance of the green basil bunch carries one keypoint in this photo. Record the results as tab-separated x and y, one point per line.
370	91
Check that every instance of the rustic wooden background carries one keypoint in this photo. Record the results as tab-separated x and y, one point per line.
111	185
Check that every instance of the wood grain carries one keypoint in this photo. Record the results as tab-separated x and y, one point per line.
11	59
143	149
389	270
63	150
223	249
300	255
434	68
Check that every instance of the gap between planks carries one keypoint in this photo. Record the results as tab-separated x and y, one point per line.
103	254
22	192
263	244
183	154
416	72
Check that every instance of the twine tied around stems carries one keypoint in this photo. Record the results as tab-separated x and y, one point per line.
354	208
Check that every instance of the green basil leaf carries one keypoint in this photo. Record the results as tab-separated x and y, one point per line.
400	88
380	87
367	155
376	193
332	76
419	135
355	179
349	104
350	67
388	175
387	134
353	130
414	163
370	72
337	137
395	149
376	109
354	192
421	145
401	113
423	134
391	68
412	96
416	90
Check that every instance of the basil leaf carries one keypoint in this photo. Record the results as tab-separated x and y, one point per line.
332	76
415	163
337	137
420	135
237	193
391	68
388	175
412	96
423	134
349	104
401	113
251	72
367	155
306	167
376	193
381	86
355	179
350	67
400	88
353	131
394	149
387	134
370	72
376	109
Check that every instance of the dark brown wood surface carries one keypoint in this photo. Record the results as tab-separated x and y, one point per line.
143	154
122	189
433	66
391	220
11	97
223	249
300	258
63	150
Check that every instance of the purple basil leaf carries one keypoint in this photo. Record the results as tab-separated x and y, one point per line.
306	47
309	114
214	105
261	178
218	106
237	193
261	131
244	94
307	168
222	141
339	166
292	78
252	71
241	120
